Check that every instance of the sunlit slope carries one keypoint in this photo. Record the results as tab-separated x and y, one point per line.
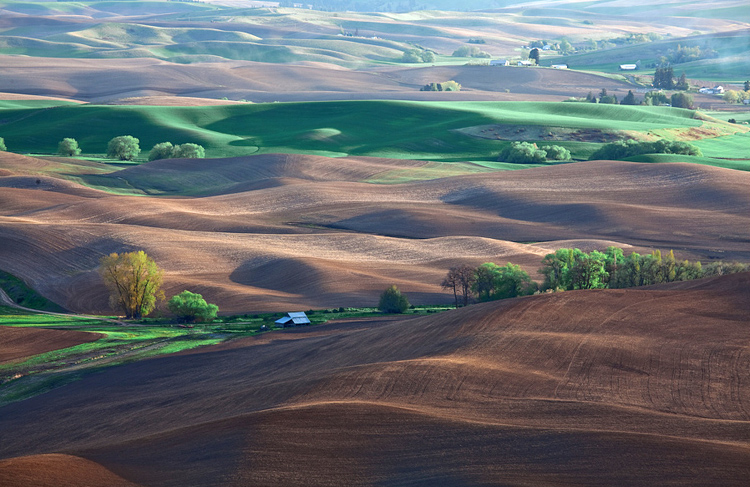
393	129
276	231
546	389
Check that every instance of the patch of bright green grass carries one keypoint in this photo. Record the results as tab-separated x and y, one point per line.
389	129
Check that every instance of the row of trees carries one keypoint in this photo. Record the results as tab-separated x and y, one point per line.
134	281
418	56
569	269
652	98
628	148
444	86
127	148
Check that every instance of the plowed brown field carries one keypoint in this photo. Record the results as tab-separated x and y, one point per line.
18	343
610	387
165	83
279	232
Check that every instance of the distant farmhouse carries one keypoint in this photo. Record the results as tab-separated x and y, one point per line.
716	90
559	66
628	67
525	63
499	62
293	319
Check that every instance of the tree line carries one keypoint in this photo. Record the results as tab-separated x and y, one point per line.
569	269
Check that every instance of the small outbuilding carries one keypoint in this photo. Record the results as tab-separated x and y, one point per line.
559	66
293	319
628	67
499	62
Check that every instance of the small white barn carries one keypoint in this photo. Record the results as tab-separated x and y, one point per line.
628	67
525	63
499	62
559	66
293	319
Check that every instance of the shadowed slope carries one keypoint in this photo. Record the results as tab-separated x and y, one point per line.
300	231
57	470
546	389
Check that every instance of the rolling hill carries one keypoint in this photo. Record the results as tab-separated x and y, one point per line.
274	231
540	390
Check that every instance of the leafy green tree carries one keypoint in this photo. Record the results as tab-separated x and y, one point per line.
133	279
534	54
682	83
588	270
629	99
556	153
2	144
664	78
427	56
191	307
392	301
124	148
68	147
188	151
485	280
513	281
565	47
682	100
556	269
162	150
522	153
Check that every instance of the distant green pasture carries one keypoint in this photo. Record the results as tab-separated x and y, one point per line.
400	129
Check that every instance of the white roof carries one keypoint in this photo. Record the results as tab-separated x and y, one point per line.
298	318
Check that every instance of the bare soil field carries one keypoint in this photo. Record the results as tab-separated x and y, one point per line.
545	390
20	343
305	232
113	80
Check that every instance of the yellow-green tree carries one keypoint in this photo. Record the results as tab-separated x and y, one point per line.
133	279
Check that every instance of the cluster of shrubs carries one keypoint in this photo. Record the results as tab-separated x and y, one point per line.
569	269
628	148
165	150
471	51
444	86
528	153
418	56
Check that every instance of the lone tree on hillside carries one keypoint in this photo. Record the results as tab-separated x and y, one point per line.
534	54
460	279
133	279
2	144
68	147
392	301
124	148
629	99
191	307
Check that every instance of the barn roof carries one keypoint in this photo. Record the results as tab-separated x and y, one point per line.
298	318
